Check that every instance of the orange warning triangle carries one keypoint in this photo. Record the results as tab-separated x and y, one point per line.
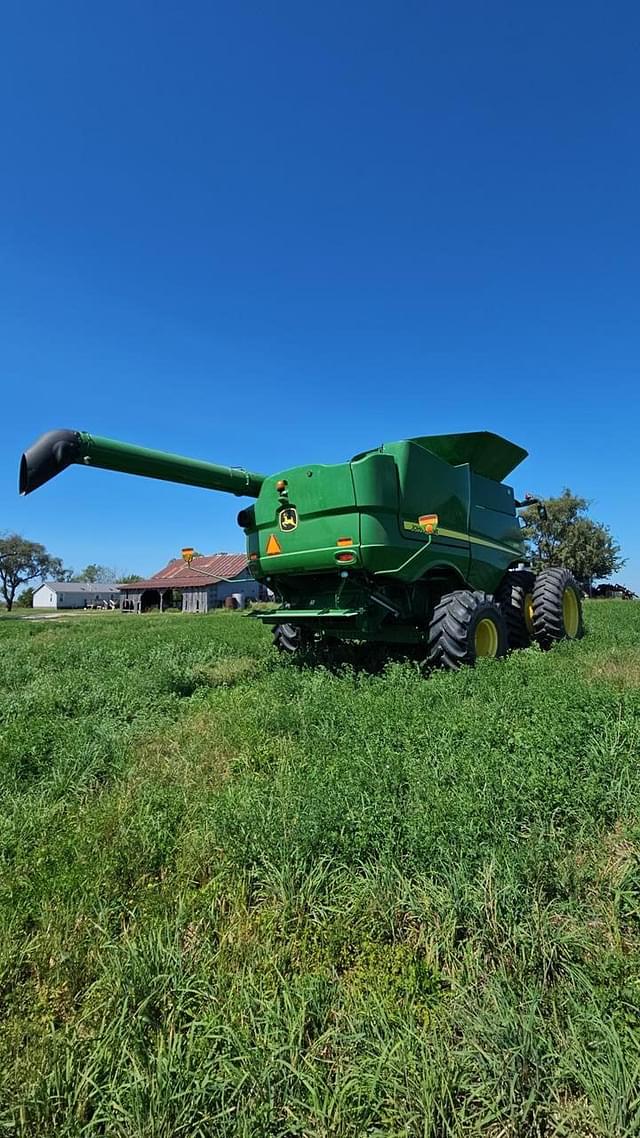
273	545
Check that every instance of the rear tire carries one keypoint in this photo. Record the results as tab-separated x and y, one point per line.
557	608
464	626
515	598
288	638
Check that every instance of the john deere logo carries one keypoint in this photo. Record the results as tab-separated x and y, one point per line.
426	523
288	519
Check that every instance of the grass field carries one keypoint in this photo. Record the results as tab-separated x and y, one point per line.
243	898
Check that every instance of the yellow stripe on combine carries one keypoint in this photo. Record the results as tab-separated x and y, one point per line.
441	532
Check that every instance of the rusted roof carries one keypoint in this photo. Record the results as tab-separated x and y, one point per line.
177	575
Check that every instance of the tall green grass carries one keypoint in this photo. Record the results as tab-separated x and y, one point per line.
239	897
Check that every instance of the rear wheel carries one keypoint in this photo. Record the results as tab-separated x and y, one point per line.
288	638
515	598
557	608
465	626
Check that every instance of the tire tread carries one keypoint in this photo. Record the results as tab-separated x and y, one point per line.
510	597
548	621
453	619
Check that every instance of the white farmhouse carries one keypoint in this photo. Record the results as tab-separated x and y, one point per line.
74	595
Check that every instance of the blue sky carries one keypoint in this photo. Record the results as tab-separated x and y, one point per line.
275	233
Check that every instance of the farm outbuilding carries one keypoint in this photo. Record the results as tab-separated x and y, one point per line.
210	582
75	595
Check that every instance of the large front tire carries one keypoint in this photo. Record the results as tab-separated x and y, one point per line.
557	608
465	626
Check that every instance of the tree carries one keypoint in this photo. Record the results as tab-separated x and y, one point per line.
22	561
568	538
92	573
130	579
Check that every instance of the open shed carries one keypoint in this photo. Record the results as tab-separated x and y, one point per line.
207	584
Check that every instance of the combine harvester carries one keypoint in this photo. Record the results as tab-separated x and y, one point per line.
415	542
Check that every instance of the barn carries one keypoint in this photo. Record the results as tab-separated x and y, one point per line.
75	595
204	585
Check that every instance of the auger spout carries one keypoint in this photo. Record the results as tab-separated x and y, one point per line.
54	451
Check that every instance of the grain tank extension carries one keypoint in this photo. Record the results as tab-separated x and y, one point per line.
415	542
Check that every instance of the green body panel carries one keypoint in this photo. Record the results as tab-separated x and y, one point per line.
493	529
428	485
311	546
343	545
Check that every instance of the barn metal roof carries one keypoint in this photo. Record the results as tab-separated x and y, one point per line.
177	575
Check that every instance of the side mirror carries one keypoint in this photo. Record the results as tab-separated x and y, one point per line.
531	500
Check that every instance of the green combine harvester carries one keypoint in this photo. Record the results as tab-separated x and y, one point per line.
416	542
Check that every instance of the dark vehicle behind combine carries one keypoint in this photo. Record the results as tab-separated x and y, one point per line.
608	591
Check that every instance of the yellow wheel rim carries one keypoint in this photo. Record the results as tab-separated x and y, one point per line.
570	612
486	638
528	612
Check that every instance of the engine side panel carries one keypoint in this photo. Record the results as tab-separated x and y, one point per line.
495	536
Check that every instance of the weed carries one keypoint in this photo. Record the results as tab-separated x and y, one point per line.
243	898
